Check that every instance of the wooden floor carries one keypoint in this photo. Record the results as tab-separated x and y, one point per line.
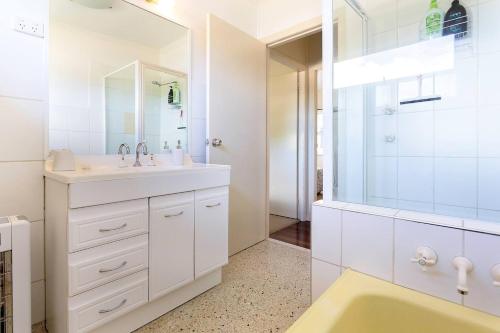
298	234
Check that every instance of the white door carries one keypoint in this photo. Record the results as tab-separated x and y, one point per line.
236	98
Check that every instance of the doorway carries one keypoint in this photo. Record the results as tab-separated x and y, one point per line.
294	132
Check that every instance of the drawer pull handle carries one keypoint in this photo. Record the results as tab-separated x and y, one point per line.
211	206
115	308
174	215
107	270
114	229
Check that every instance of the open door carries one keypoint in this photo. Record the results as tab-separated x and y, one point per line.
236	101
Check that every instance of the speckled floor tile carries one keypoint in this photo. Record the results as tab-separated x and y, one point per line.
38	328
265	289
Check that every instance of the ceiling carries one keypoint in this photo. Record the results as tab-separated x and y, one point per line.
123	20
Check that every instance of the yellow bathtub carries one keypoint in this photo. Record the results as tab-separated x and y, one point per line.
357	303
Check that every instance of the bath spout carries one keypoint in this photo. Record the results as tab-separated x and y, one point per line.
464	267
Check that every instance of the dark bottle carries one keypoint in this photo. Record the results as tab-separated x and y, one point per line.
170	95
456	21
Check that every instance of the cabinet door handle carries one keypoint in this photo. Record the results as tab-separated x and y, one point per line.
211	206
107	270
114	229
173	215
122	303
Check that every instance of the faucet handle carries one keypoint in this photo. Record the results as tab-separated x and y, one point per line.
425	257
495	273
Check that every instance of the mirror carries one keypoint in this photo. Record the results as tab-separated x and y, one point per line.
117	74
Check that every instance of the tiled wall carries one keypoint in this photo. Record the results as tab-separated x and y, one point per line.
445	154
23	110
381	241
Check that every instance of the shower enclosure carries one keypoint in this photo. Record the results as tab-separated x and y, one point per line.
146	103
415	114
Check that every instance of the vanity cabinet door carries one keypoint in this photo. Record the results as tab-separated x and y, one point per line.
171	243
211	230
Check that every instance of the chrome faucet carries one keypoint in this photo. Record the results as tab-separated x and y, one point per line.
140	146
123	152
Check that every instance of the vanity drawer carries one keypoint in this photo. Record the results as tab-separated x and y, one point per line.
97	266
97	225
94	308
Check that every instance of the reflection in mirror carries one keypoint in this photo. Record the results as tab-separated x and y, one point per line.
117	75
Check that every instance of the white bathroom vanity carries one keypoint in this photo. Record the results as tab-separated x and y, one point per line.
127	245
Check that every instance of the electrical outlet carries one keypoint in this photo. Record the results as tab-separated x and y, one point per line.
29	27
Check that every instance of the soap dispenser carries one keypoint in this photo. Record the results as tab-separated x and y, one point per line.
455	21
178	153
434	20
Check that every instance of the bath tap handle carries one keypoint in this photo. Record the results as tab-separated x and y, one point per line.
495	274
425	257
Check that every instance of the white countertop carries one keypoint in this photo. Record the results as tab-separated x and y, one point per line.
104	168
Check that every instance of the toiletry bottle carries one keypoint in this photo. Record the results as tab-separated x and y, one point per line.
176	94
166	149
171	95
456	21
434	20
178	153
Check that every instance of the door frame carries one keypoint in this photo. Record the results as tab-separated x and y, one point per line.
313	28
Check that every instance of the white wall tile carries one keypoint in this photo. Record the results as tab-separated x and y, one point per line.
488	70
37	251
488	133
97	143
411	11
383	126
367	244
22	126
78	119
458	211
37	302
416	134
484	252
455	181
409	34
489	216
489	183
58	139
326	224
416	206
489	27
79	142
439	280
323	275
382	41
456	133
382	177
22	189
416	179
458	87
23	58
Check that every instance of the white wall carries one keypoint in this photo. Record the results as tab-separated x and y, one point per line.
276	16
23	108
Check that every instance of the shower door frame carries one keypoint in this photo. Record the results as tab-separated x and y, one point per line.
139	67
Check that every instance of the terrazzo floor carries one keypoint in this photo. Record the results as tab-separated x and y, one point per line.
264	289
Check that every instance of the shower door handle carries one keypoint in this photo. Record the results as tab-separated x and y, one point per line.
216	142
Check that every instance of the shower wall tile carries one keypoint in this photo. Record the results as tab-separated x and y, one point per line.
489	183
383	41
455	211
455	181
58	139
408	34
78	119
488	133
410	12
384	126
488	70
458	87
382	177
416	179
427	207
489	27
415	137
456	133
